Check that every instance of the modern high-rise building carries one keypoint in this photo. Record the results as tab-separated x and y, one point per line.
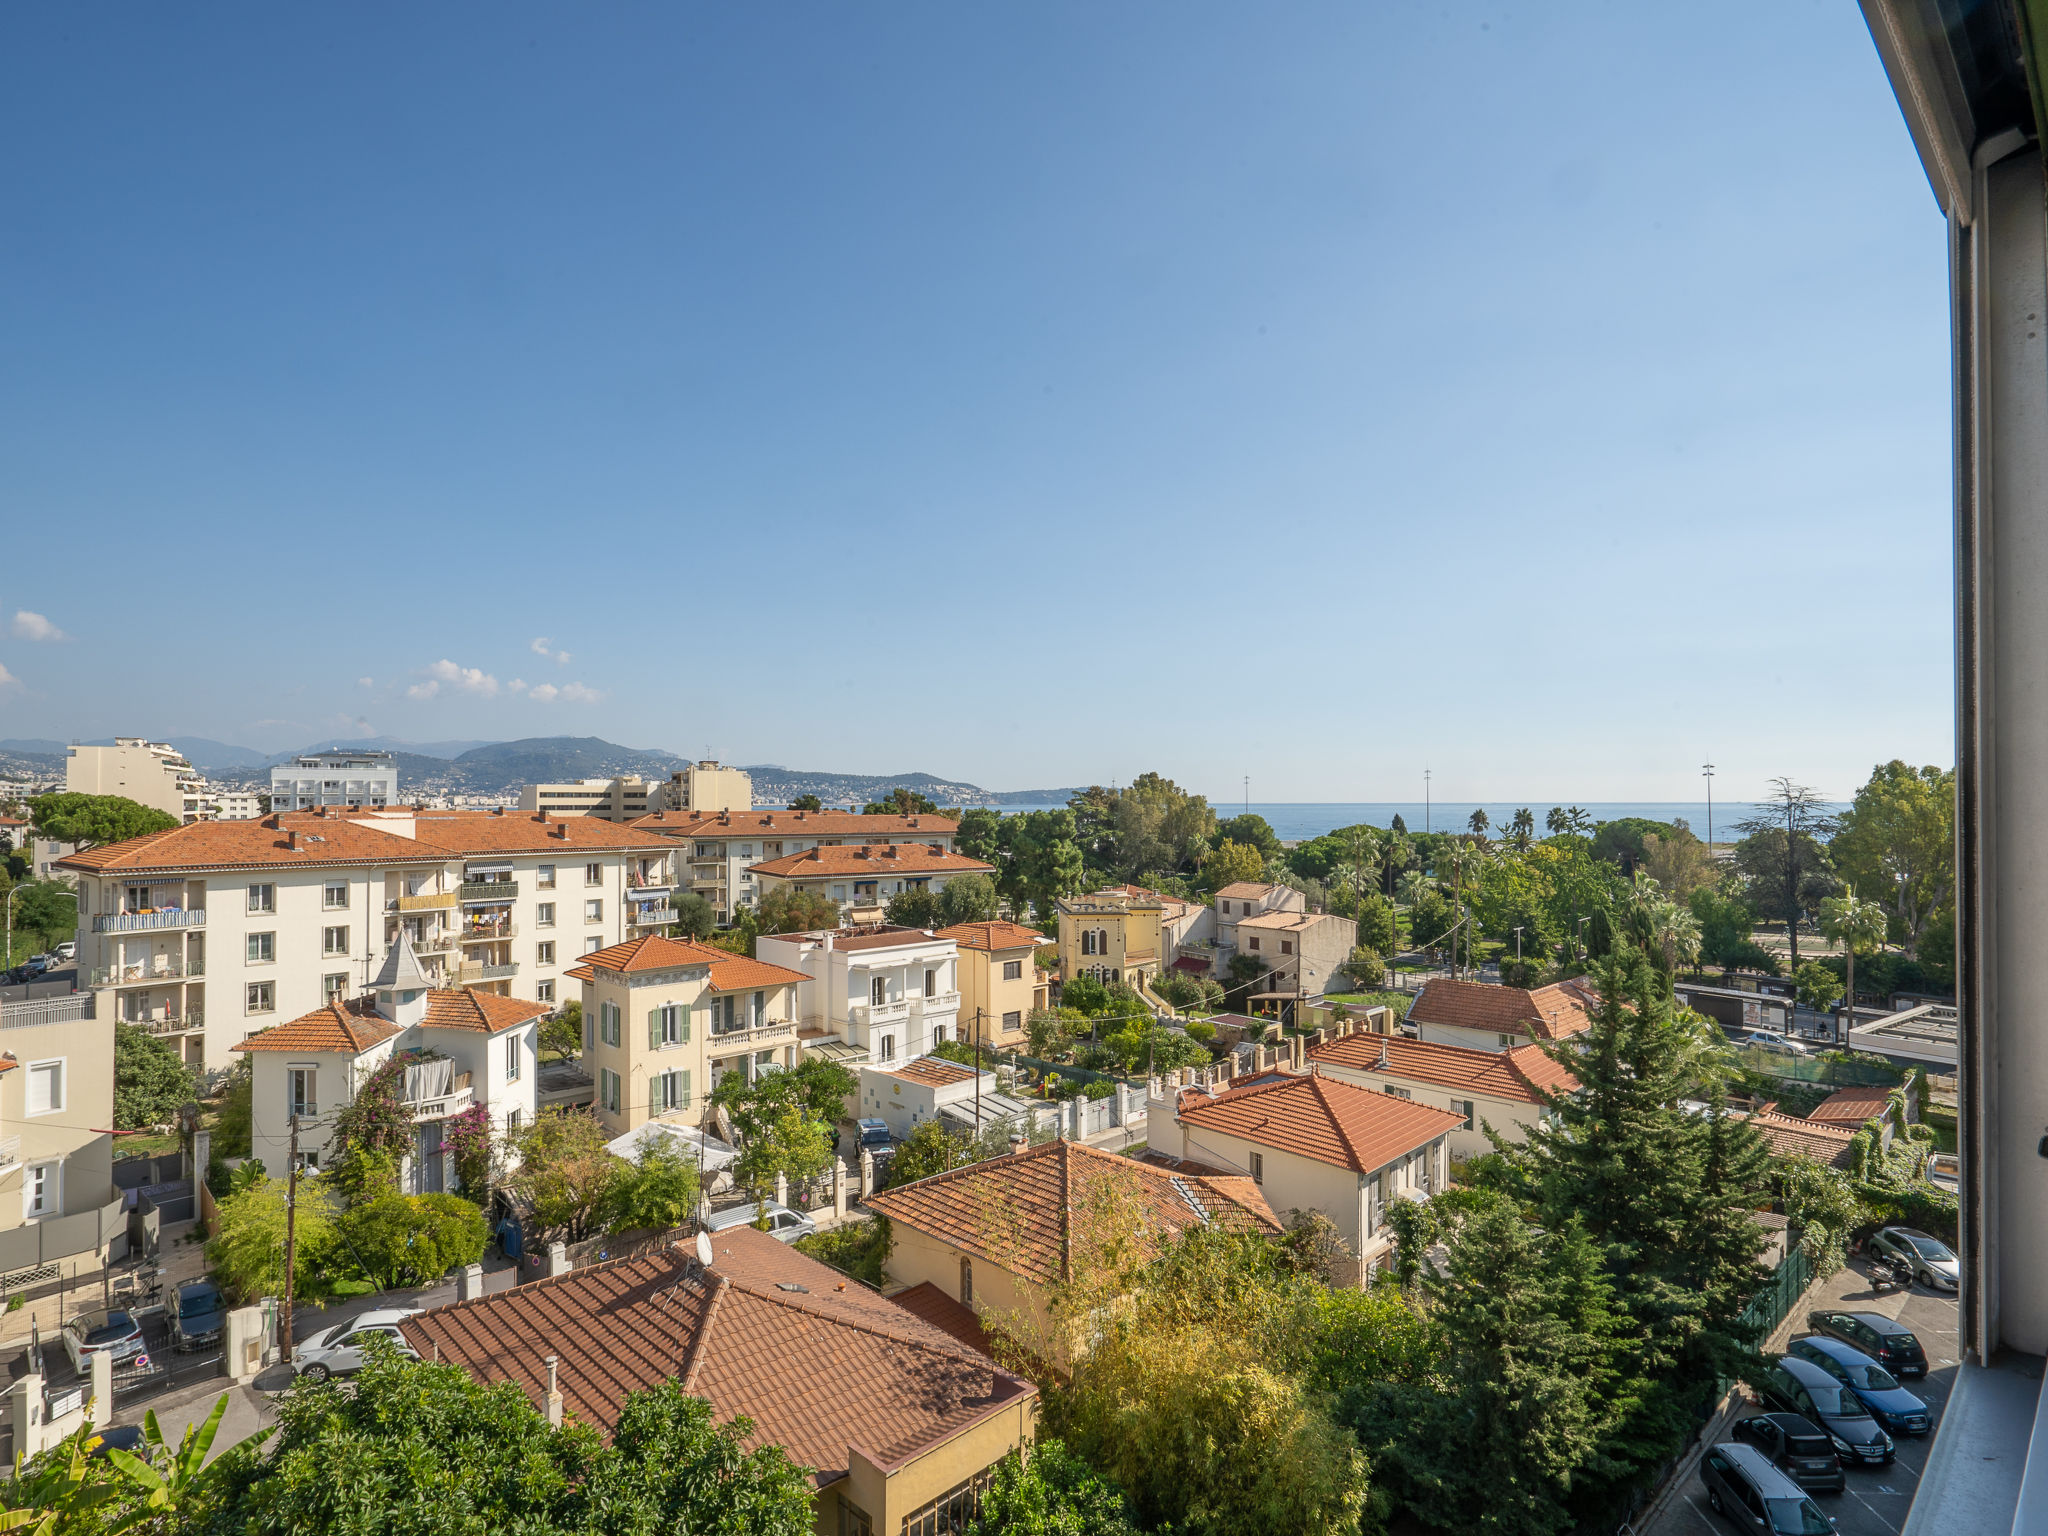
337	780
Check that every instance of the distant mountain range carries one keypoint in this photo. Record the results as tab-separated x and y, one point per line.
501	767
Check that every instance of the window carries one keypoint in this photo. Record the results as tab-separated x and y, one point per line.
1014	1019
261	948
334	987
544	879
39	1191
593	874
966	1281
1258	1167
1254	943
334	941
1087	941
514	1050
1396	1093
544	991
669	1025
608	1090
334	896
931	983
259	998
45	1087
513	1119
1013	970
608	1023
593	911
544	915
878	991
309	1162
888	1047
668	1090
544	953
1463	1107
1287	946
839	893
301	1091
1506	1041
262	898
938	1034
593	944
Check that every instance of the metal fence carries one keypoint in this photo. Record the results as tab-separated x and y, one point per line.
29	1250
1809	1069
1767	1308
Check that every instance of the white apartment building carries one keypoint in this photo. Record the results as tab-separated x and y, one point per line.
619	799
150	773
720	849
335	780
461	1049
708	786
234	804
871	995
214	931
866	876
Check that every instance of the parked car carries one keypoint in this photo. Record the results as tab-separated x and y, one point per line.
784	1225
117	1437
1742	1484
1932	1261
197	1314
872	1136
1875	1387
1885	1339
66	951
1797	1447
113	1332
34	966
1792	1385
1770	1040
339	1350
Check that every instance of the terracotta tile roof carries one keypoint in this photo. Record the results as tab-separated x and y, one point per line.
880	938
818	1362
344	1028
1019	1211
481	1012
1318	1117
474	832
993	936
273	842
1517	1074
954	1319
1851	1107
933	1072
1548	1013
1245	890
1790	1136
878	829
871	859
658	952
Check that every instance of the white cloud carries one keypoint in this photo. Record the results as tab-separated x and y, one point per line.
366	682
541	646
517	685
33	626
8	679
568	693
466	679
546	693
422	690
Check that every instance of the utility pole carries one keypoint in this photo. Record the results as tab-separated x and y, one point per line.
1247	794
1425	799
977	1070
1708	773
1518	943
291	1218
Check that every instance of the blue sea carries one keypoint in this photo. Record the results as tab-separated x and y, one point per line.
1294	821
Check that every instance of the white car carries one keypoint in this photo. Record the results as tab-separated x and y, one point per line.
66	951
102	1333
784	1225
339	1350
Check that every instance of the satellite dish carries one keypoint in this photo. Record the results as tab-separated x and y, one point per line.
704	1249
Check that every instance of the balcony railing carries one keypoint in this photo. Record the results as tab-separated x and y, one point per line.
465	974
439	942
742	1034
650	915
140	973
938	1002
483	933
168	1023
869	1014
653	882
428	902
10	1151
489	890
149	922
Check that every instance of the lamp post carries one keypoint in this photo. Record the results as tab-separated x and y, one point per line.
1707	772
10	924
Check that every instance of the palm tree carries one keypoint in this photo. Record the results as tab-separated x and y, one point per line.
1523	829
1676	931
1461	855
1478	822
1848	922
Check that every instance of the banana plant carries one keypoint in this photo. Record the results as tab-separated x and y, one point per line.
171	1480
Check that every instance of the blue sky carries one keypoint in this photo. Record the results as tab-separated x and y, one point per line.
1555	396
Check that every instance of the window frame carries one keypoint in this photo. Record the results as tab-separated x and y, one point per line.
328	950
329	890
266	903
266	941
41	1204
250	990
59	1069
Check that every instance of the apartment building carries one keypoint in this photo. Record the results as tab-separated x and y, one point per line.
335	781
721	848
56	1153
151	773
461	1048
1246	899
234	804
617	799
867	875
1000	982
1302	950
213	931
1112	935
878	995
665	1019
707	786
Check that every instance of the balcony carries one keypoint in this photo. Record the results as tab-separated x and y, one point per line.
774	1029
440	942
454	1101
466	975
654	882
149	922
488	890
938	1002
485	933
140	973
868	1015
170	1023
431	901
650	916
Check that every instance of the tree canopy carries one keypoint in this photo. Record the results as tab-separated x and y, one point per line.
70	817
151	1079
1897	842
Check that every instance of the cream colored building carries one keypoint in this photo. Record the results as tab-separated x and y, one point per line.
619	799
1499	1090
719	849
1000	982
150	773
213	931
664	1019
56	1153
867	875
1483	1017
1112	935
707	787
1302	950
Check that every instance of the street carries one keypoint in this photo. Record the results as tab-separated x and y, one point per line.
1877	1499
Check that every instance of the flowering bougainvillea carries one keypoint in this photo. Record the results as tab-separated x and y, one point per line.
468	1136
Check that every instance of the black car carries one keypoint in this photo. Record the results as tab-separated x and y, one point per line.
117	1437
197	1314
1792	1385
1885	1339
1797	1447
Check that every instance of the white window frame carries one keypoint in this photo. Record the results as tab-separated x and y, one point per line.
513	1063
328	948
593	910
334	896
544	952
59	1066
300	1075
269	991
334	987
544	915
263	898
593	874
544	991
39	1205
266	941
544	878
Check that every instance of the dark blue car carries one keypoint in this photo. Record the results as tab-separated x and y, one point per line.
198	1313
1874	1387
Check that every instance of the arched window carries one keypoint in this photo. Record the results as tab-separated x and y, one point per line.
966	1281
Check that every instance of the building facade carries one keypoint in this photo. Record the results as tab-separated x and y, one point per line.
1000	982
866	876
1111	935
879	996
719	849
150	773
707	787
1302	951
56	1086
1483	1017
617	799
335	781
1504	1091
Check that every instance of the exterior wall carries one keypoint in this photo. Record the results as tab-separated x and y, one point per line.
335	1082
1307	956
1002	1296
715	862
709	786
849	891
151	775
889	1497
619	799
82	1158
837	997
334	779
906	1105
986	999
1229	912
1511	1117
1128	938
1469	1039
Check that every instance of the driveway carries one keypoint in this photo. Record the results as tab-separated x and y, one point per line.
1878	1498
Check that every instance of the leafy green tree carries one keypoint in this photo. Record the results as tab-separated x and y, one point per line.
1678	862
817	1088
1365	969
1084	994
1478	822
1252	830
786	1142
979	834
1622	842
1046	1032
967	899
1228	863
411	1240
1430	918
1242	977
234	1125
1522	830
151	1080
695	917
1376	928
1726	921
917	907
87	820
1052	1493
1854	925
901	801
931	1147
1818	987
567	1174
789	910
807	803
859	1248
1784	859
660	1192
246	1252
45	912
1824	1209
561	1033
1156	827
1899	836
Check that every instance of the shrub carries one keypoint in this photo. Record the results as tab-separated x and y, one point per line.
411	1240
856	1248
1202	1030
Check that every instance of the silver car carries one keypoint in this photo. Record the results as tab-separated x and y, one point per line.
339	1350
1932	1261
784	1225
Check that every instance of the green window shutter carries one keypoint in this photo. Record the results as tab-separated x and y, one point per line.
686	1023
685	1102
653	1028
653	1094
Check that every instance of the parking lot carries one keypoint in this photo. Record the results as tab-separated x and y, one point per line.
1877	1499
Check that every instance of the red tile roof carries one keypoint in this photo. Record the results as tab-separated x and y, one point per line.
934	1072
1318	1117
273	842
658	952
772	824
818	1362
1523	1073
1547	1013
993	936
875	859
482	1012
950	1317
1245	890
474	832
1790	1136
1019	1211
1851	1107
344	1028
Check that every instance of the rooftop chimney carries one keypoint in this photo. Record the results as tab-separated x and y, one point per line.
1018	1142
291	840
554	1398
497	810
561	830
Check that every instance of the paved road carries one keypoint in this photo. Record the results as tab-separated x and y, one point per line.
1877	1498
